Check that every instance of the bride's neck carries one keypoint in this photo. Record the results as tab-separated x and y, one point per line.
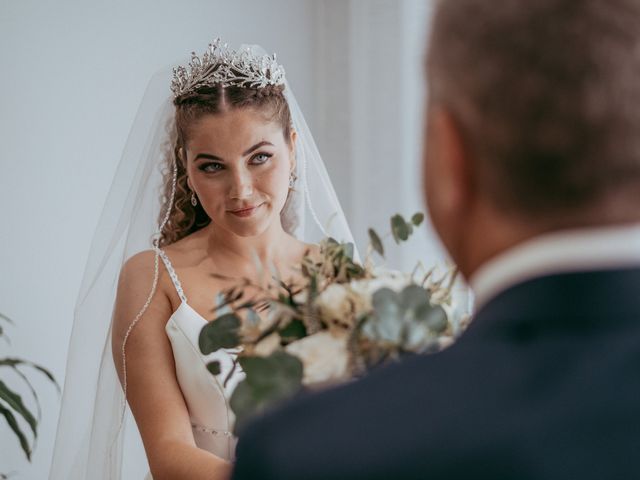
268	247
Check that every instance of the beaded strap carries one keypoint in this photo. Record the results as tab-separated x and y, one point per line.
173	275
211	431
157	253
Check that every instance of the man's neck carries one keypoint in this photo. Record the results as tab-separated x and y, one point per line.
570	250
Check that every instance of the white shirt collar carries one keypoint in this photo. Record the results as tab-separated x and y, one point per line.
566	251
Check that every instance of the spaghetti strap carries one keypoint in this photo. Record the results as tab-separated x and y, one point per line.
173	275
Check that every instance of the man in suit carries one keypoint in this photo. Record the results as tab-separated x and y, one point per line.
532	179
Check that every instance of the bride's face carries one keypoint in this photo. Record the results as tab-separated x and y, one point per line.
238	164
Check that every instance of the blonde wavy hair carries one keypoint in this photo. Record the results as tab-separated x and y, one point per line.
184	218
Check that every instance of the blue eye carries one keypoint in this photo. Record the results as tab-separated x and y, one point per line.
211	167
261	158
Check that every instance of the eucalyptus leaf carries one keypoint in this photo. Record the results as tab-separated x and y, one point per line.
294	330
389	327
348	250
399	228
17	405
417	336
436	319
13	423
214	367
222	307
253	319
279	372
414	297
417	219
332	241
356	271
384	296
244	404
267	381
376	242
223	332
386	323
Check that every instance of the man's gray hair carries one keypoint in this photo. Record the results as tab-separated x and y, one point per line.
547	96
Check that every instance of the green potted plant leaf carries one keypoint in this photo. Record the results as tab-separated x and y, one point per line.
12	406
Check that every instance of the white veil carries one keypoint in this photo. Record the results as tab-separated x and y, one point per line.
90	441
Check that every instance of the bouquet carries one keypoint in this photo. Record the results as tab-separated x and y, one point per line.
342	319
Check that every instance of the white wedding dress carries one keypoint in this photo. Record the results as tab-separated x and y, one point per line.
206	397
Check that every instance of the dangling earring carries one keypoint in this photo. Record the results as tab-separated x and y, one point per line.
292	180
194	200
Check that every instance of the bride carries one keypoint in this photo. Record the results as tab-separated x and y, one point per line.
226	162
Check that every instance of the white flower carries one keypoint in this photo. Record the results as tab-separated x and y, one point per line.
324	356
301	297
341	304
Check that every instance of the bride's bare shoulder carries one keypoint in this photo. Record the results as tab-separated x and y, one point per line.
139	271
140	262
134	287
143	262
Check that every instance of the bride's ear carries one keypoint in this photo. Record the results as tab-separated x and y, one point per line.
292	149
182	156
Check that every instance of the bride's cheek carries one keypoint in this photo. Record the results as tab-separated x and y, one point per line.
273	179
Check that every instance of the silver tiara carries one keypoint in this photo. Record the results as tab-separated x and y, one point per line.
220	65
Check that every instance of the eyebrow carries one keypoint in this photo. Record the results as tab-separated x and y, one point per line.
244	154
207	156
256	146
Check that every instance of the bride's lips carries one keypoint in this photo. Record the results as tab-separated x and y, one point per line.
246	211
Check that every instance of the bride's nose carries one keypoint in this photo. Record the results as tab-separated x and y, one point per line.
241	184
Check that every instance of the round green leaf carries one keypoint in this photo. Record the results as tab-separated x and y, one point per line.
414	297
294	330
348	250
383	297
435	318
279	372
376	242
214	367
268	380
223	332
399	228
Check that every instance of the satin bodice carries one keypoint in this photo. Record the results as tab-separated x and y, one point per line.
206	396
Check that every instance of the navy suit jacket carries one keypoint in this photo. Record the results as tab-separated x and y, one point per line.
545	384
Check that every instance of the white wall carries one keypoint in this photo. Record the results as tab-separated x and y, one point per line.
369	102
73	73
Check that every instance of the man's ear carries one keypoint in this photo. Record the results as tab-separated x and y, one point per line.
453	165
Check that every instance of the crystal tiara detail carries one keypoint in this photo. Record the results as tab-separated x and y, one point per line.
220	65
